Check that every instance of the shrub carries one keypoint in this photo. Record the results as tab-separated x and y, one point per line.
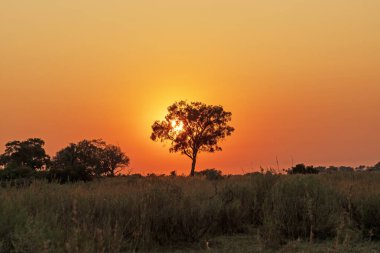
13	171
210	174
69	174
302	169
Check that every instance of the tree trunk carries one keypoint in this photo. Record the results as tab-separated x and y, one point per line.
192	173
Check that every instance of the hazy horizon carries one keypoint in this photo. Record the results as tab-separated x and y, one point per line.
302	79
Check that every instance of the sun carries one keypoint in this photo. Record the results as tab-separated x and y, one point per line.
177	126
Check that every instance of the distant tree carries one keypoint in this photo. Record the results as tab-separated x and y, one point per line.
29	153
346	169
375	167
332	169
68	156
113	158
321	169
95	157
361	168
90	153
192	128
302	169
68	165
83	155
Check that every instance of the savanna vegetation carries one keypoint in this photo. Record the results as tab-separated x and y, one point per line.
334	212
82	161
80	201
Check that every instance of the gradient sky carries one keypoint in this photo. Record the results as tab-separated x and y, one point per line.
302	78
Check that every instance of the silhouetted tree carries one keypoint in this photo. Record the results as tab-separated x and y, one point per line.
29	153
94	157
113	158
375	167
90	154
68	165
192	128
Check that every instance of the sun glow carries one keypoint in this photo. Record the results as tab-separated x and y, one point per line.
177	125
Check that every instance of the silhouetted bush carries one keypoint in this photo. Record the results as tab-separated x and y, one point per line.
302	169
69	174
210	174
14	171
18	176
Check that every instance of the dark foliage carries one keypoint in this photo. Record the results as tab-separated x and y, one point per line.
89	158
29	153
76	162
203	127
210	174
302	169
69	174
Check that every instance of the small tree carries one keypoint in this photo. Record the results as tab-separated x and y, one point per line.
192	128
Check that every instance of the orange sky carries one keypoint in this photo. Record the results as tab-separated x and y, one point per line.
302	78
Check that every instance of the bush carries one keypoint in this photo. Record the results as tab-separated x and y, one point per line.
302	169
210	174
69	174
16	172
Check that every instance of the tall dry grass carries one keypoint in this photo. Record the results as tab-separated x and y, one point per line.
138	214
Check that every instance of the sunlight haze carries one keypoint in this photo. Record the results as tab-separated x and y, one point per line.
301	78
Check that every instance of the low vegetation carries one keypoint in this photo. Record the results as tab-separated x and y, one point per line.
78	201
163	213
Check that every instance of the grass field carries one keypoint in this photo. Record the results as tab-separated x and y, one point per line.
254	213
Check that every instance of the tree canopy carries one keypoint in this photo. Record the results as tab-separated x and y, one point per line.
192	128
29	153
96	157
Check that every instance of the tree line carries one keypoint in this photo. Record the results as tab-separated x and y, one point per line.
309	169
78	161
189	127
89	159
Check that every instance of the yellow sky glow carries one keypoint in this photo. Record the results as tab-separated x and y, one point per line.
302	78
